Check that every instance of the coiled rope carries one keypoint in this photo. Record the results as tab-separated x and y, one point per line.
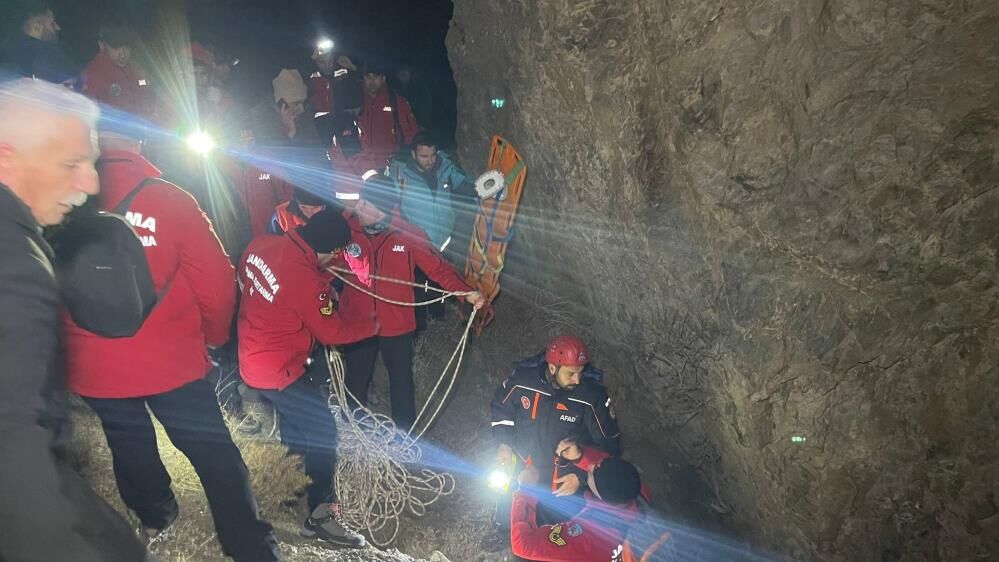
378	475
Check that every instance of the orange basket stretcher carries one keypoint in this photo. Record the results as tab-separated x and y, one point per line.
493	228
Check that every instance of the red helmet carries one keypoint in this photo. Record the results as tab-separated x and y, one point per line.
567	351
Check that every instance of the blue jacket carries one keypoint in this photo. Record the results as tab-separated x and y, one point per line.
423	204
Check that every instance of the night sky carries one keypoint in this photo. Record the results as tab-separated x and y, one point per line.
269	34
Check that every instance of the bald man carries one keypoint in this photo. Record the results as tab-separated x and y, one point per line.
47	512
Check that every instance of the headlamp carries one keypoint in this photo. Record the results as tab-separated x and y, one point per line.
324	46
500	479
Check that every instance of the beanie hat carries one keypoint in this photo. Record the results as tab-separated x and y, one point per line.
288	86
326	231
382	193
306	197
617	481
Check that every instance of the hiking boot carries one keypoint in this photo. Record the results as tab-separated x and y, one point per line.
258	416
248	424
150	533
325	524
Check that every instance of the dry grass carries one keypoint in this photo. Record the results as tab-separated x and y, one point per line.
453	527
277	481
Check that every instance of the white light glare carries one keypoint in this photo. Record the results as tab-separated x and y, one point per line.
499	479
201	142
324	46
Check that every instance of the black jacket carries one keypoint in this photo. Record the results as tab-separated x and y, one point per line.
532	416
46	511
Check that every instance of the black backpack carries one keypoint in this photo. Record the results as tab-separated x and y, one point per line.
103	273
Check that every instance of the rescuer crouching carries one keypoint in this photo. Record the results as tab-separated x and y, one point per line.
550	397
287	309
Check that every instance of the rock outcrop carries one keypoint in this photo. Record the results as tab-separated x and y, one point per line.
779	221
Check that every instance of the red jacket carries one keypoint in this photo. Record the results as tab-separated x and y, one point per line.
122	87
260	193
586	537
184	252
286	307
320	93
378	135
394	253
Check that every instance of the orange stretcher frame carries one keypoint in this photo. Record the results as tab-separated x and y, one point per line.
493	228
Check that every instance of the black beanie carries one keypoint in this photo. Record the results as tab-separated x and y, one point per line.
382	193
326	231
305	197
617	481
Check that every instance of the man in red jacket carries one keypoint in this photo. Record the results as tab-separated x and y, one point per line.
597	533
286	309
386	121
383	244
163	366
113	78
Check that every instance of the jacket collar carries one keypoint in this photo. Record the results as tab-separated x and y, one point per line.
13	208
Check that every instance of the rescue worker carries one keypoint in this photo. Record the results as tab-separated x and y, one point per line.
163	366
597	534
383	244
295	213
260	192
35	52
47	512
287	312
426	180
113	77
552	396
334	90
386	121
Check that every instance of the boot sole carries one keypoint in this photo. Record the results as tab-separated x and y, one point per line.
344	544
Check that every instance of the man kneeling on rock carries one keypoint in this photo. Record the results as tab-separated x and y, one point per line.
287	308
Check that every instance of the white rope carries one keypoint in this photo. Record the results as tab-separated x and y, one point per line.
377	478
338	272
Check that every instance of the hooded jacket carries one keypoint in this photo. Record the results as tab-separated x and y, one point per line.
426	196
190	271
394	253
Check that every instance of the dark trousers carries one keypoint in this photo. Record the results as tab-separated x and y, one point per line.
421	294
193	422
308	428
397	354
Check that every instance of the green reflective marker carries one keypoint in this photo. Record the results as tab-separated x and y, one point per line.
498	103
798	439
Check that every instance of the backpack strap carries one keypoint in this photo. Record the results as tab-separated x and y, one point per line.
126	203
124	206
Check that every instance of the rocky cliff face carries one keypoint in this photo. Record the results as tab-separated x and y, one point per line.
776	220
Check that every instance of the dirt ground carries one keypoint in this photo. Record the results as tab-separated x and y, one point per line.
456	528
453	527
